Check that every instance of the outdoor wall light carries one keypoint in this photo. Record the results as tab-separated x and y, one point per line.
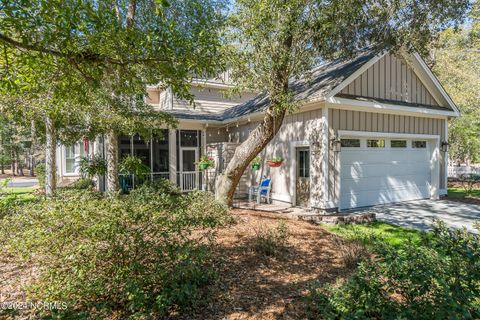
444	146
336	144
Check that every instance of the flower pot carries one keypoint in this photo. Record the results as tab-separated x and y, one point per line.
274	163
255	166
203	166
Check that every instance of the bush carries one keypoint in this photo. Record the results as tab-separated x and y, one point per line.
40	173
133	165
439	279
96	166
271	242
82	184
145	254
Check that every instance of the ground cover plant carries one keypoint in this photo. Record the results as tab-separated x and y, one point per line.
145	254
370	234
436	278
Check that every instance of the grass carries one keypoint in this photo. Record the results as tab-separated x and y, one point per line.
390	234
460	192
21	193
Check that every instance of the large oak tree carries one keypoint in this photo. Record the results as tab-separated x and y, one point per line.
102	54
274	41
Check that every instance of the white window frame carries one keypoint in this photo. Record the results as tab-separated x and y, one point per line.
77	151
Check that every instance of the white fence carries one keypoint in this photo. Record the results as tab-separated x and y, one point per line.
456	172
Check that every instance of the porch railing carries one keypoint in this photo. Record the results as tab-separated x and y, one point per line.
187	181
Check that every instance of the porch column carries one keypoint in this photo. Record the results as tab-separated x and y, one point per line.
172	155
203	151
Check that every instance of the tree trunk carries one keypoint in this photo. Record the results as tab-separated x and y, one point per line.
33	134
50	158
257	140
12	163
132	8
111	142
19	166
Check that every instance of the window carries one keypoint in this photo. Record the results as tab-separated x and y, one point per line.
189	138
376	143
398	143
70	159
73	155
350	143
419	144
304	163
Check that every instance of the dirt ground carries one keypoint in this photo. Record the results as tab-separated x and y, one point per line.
255	286
250	284
464	199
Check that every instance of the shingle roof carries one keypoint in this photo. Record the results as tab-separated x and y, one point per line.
321	81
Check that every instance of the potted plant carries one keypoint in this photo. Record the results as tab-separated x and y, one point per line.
275	161
206	162
256	163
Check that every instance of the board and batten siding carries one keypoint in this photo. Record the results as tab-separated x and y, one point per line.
307	126
378	122
391	78
303	126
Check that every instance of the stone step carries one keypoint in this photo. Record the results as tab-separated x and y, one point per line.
339	218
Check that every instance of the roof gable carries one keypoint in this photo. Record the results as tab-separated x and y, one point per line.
392	79
369	74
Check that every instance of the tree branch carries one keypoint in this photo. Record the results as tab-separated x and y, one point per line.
86	56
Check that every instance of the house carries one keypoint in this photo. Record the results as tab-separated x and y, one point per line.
370	130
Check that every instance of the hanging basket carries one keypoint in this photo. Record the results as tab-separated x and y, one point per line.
274	164
203	166
255	166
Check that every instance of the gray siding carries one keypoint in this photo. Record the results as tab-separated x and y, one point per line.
306	126
210	100
378	122
391	78
302	126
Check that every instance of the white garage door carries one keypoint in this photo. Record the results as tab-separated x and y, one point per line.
376	171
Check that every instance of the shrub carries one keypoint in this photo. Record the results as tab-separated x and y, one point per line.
40	173
469	181
271	242
439	279
96	166
133	165
82	184
143	258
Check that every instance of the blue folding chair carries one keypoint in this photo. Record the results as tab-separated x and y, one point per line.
261	191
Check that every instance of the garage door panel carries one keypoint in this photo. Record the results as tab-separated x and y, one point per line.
377	176
381	183
359	171
376	157
369	198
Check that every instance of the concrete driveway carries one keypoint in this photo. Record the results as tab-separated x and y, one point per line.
420	214
21	182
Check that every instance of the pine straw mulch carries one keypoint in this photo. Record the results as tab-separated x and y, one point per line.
254	286
250	285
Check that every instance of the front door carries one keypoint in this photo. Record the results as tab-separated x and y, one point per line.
303	177
188	172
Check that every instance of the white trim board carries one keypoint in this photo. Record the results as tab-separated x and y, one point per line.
355	75
375	106
368	134
436	83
